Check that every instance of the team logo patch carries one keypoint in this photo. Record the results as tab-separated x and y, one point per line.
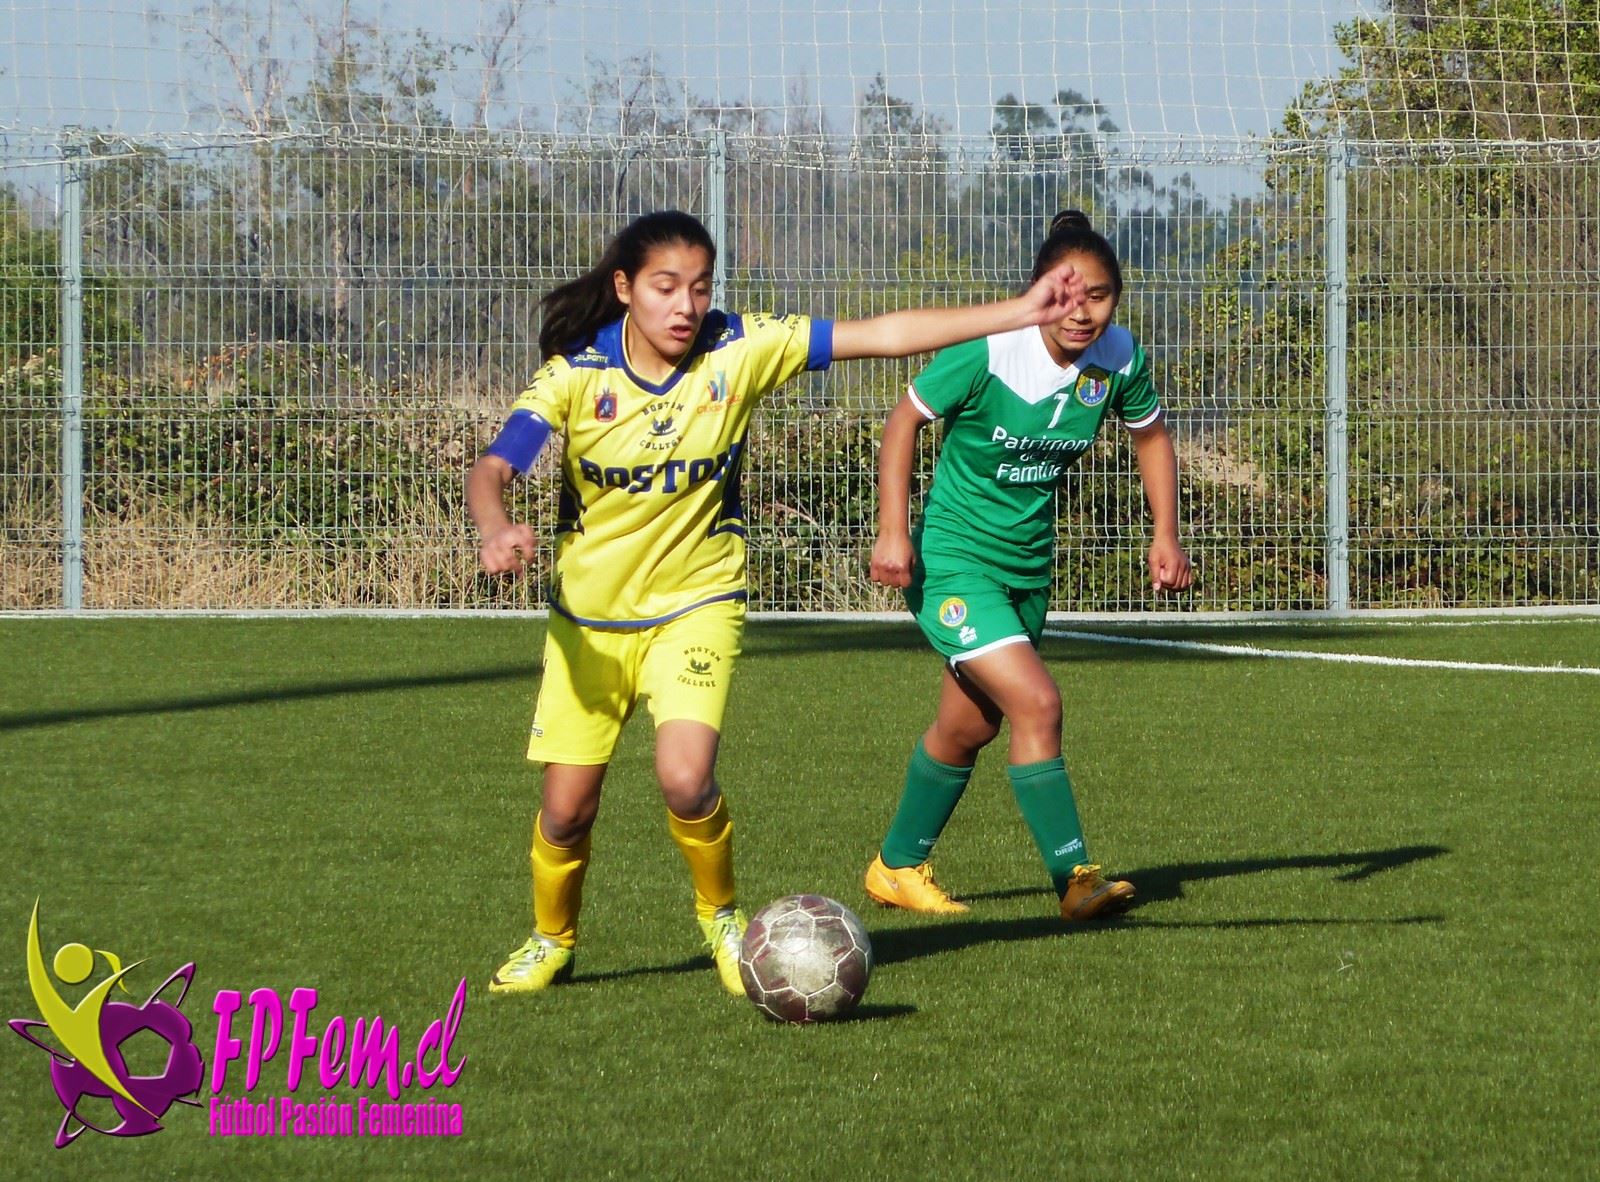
717	399
1093	386
952	611
605	406
665	428
699	666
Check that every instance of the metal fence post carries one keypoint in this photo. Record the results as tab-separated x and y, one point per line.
70	229
717	212
1336	393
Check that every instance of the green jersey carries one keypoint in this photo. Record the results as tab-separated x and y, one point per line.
1015	421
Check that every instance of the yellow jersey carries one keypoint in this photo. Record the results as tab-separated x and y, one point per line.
651	523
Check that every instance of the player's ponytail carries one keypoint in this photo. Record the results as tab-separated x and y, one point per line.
1071	233
575	311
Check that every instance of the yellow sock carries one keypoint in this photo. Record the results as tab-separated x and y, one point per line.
557	887
707	846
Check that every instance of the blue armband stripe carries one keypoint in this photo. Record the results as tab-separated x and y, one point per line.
819	353
521	440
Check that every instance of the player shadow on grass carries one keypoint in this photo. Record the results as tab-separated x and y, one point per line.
1157	884
22	720
865	1012
1162	884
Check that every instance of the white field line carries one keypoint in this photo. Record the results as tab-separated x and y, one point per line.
1250	650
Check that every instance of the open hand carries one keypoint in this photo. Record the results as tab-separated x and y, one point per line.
1055	293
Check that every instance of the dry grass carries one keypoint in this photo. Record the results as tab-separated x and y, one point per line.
30	572
159	559
1208	462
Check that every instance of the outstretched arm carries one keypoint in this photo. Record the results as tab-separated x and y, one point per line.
891	554
921	330
1158	471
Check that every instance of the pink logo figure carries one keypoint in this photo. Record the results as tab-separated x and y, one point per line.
90	1063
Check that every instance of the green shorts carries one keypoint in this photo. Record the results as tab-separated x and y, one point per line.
965	615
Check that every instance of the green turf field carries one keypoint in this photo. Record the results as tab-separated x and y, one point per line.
1366	947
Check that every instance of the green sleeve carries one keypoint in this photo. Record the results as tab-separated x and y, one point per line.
952	377
1134	398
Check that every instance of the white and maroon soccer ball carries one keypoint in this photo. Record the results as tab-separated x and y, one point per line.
805	958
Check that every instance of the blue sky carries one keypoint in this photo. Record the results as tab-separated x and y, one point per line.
1223	68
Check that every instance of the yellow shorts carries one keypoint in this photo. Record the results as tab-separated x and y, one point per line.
594	677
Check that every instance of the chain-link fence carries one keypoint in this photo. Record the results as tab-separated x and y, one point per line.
254	376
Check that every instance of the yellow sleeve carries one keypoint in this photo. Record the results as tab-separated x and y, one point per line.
783	347
549	392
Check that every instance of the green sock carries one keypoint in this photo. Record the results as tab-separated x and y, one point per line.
1044	793
932	791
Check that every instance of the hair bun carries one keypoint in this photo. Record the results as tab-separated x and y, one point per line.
1070	219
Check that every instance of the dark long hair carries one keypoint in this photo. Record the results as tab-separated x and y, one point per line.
1071	233
575	311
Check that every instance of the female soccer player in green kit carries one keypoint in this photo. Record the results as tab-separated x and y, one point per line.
652	391
1019	408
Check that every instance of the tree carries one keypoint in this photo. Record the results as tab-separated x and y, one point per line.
1043	163
1462	70
29	320
1471	255
1483	72
356	215
897	198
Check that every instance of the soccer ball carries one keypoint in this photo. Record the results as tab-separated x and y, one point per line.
805	958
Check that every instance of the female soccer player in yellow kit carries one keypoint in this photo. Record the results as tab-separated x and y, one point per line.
652	390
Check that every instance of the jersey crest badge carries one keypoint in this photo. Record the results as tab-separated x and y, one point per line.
1093	386
605	406
952	612
663	425
700	665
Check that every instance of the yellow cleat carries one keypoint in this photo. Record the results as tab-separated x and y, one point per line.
538	964
1089	895
724	933
911	888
